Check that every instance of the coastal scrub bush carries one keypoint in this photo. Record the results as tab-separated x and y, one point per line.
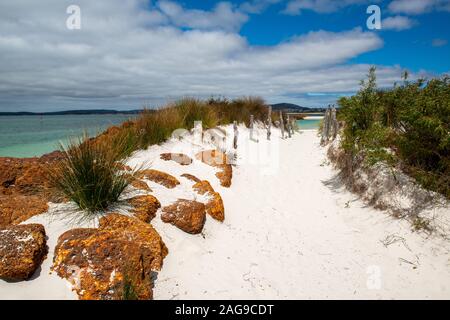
89	173
155	127
191	110
239	109
408	125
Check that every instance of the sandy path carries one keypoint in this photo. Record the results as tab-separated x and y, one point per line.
288	233
292	235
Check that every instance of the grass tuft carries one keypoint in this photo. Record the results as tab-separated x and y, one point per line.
89	173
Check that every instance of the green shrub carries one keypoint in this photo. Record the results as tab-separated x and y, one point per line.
411	120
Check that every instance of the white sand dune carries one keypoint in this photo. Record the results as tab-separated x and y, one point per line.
290	232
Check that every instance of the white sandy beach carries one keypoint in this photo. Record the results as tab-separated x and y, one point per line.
290	232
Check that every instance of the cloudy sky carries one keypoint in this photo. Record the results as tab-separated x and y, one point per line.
130	53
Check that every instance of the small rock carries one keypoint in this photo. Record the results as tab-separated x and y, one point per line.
219	160
187	215
160	177
141	185
214	206
144	207
190	177
22	250
179	158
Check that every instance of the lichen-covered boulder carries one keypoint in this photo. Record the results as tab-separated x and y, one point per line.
187	215
22	250
219	160
214	206
25	187
160	177
179	158
144	207
16	207
113	261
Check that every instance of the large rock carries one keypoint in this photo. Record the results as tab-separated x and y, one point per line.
214	206
25	187
179	158
144	207
114	261
22	250
187	215
28	175
16	207
219	160
160	177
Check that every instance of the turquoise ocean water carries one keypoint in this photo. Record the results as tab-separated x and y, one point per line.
308	124
29	136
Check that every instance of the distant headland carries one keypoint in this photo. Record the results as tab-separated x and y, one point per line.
69	112
287	107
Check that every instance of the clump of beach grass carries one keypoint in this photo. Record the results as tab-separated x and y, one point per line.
191	109
240	109
155	127
89	173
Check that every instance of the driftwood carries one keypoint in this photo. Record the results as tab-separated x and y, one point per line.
282	125
236	134
268	123
288	126
330	125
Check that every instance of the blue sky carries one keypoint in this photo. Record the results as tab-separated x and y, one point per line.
127	54
412	48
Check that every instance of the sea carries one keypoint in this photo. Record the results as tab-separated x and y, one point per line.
34	135
309	124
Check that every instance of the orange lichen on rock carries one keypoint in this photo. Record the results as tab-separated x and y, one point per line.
218	159
22	250
144	207
141	185
179	158
160	177
25	187
190	177
106	262
16	208
214	206
187	215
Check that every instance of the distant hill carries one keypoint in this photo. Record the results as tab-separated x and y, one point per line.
290	107
69	112
287	107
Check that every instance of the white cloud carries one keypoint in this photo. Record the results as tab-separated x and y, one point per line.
397	23
418	6
127	54
224	16
257	6
294	7
439	42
